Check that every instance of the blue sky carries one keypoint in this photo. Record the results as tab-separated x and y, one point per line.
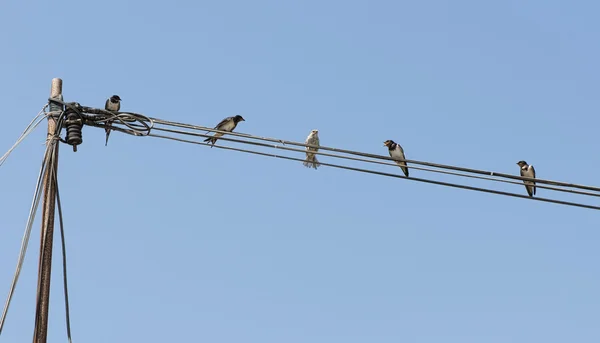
168	241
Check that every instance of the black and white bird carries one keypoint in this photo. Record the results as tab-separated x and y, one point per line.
113	104
311	159
528	171
396	152
227	124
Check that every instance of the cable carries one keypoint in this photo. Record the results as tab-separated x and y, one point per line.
378	162
388	174
64	257
25	241
149	124
29	129
351	152
50	157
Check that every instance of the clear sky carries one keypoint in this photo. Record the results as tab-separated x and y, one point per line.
169	242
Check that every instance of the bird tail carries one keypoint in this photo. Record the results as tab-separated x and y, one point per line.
107	130
212	141
530	187
404	168
214	138
311	161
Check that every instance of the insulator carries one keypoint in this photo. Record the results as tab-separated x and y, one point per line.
74	125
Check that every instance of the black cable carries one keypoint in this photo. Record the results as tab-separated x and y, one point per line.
64	258
351	152
158	128
389	174
156	125
25	240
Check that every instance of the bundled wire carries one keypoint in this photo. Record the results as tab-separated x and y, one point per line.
28	130
32	212
49	164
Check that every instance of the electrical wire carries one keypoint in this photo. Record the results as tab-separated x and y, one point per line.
441	183
53	165
157	128
157	124
25	241
49	161
28	130
374	156
491	176
140	125
64	256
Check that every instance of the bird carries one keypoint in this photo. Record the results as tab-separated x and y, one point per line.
528	171
396	152
227	124
113	104
311	158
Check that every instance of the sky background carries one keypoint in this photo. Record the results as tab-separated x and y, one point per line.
170	242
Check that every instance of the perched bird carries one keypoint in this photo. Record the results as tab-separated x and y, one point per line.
311	159
396	152
227	124
528	171
112	104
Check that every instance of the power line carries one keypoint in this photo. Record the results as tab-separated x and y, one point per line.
141	125
441	183
29	129
25	241
374	156
157	128
135	126
135	129
74	116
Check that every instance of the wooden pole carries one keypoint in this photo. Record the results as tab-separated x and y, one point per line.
49	201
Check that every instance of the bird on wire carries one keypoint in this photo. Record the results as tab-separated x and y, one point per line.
228	124
113	104
311	158
396	152
528	171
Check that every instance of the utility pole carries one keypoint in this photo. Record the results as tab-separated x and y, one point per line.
49	201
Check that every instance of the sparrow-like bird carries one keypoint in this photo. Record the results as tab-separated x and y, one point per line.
227	124
112	104
396	152
311	159
528	171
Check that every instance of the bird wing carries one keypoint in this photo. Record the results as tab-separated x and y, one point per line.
401	150
223	123
533	176
106	104
312	140
398	153
530	172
